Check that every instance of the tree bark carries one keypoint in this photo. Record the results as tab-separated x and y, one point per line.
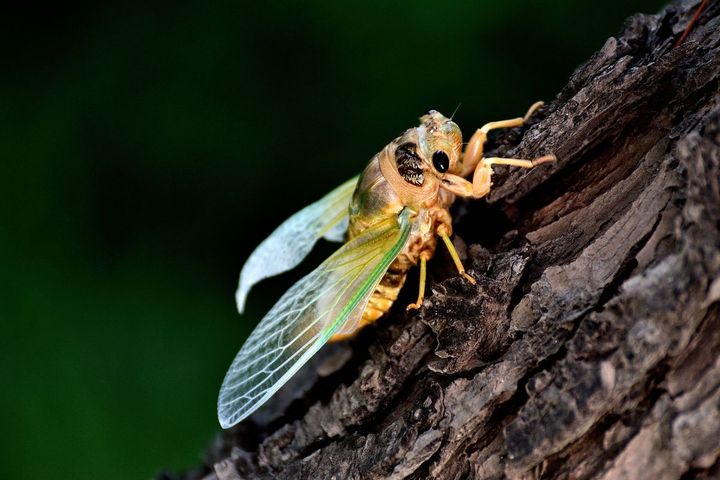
589	347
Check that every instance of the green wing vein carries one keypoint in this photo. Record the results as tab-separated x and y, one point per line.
307	315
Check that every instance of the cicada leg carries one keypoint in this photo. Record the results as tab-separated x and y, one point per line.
442	231
474	150
421	288
482	178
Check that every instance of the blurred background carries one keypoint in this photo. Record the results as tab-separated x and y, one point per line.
147	149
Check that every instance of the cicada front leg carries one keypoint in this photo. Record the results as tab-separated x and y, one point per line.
474	150
482	178
481	168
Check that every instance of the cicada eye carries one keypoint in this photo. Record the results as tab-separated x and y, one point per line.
441	162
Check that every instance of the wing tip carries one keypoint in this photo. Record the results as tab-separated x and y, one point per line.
223	423
227	417
226	423
240	298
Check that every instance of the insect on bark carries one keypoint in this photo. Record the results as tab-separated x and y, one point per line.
389	217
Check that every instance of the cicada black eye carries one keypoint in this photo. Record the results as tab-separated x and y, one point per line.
441	162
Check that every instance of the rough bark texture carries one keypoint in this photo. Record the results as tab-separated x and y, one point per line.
590	347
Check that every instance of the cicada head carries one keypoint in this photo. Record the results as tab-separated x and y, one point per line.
416	162
441	141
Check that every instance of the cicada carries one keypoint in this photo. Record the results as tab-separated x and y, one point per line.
389	218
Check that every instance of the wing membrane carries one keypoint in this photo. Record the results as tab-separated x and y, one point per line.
306	316
290	243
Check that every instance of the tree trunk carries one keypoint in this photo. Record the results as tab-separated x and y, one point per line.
589	347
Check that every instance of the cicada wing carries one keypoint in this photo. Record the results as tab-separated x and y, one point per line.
336	233
291	242
306	316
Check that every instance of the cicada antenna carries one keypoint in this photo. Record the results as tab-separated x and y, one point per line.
455	111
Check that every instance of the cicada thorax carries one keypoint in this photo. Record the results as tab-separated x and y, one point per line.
393	180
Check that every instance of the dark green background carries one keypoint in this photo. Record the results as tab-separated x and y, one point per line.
146	149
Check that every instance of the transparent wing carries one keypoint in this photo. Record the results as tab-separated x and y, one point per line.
290	243
337	232
306	316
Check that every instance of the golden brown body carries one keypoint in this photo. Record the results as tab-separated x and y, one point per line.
423	240
423	170
391	217
382	191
